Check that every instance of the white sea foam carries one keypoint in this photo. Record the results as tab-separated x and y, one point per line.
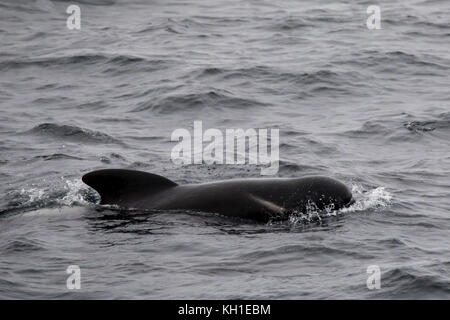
371	199
377	198
32	195
64	193
76	193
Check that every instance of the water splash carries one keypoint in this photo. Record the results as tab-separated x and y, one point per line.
31	195
373	199
377	199
77	194
65	192
312	214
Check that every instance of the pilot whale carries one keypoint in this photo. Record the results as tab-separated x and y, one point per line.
257	199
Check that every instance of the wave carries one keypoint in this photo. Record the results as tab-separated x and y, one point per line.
287	168
111	63
393	129
71	133
290	23
409	282
92	2
264	257
183	25
397	60
269	73
57	156
22	245
412	59
369	128
307	84
196	101
429	125
437	127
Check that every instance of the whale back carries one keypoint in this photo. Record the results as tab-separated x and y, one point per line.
256	199
122	187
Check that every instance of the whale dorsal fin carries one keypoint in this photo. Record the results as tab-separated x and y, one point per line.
116	186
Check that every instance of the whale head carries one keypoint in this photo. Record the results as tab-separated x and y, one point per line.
325	192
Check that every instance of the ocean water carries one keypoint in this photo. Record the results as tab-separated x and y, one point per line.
368	107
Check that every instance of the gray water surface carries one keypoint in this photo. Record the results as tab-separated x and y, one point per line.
368	107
